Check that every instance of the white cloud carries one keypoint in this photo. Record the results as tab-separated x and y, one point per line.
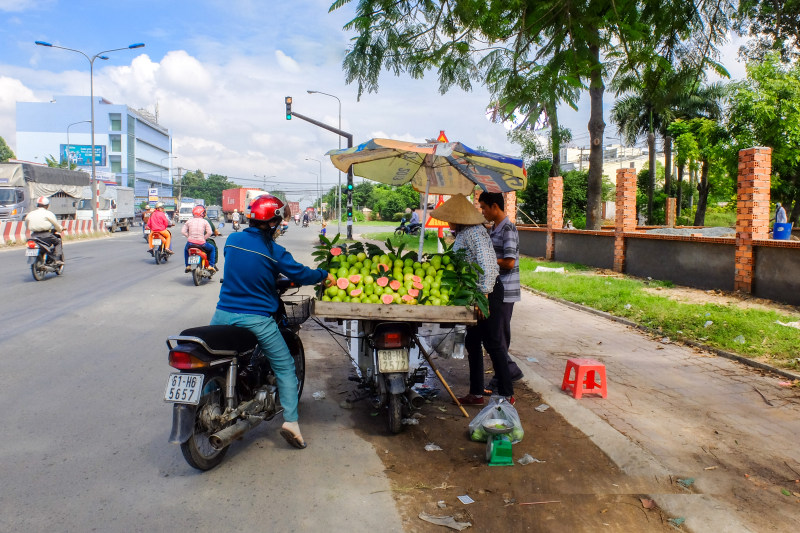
18	6
11	91
286	63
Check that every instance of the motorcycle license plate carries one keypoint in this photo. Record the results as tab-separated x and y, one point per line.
31	252
184	388
194	259
393	360
156	242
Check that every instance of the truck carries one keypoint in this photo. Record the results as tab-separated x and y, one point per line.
115	206
186	206
294	208
214	212
22	183
238	198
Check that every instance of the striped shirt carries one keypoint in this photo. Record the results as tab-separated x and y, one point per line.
506	246
478	246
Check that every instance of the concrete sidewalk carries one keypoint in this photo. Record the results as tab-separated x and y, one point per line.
673	412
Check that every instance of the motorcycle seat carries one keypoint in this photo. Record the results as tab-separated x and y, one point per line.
223	337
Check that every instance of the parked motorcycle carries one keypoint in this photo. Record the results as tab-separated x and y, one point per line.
42	258
159	251
225	386
407	229
198	260
389	368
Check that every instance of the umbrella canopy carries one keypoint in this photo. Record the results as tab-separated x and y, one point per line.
438	168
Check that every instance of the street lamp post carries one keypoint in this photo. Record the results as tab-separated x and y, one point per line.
98	55
319	186
68	145
265	178
339	191
169	169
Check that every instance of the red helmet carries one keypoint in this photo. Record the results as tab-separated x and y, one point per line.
43	201
199	211
266	207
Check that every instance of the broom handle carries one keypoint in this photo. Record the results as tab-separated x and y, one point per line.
439	375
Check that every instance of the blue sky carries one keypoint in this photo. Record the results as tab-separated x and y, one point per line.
219	70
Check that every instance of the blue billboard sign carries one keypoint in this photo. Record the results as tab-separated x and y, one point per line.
81	154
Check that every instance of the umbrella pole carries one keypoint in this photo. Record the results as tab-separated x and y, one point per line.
439	375
424	218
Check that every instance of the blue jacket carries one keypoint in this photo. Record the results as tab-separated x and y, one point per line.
251	268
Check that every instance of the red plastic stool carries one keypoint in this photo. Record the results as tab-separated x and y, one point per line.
585	380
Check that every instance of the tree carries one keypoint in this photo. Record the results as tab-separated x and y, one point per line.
5	152
772	25
51	161
764	112
195	184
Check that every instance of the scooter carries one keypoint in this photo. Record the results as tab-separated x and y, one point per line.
198	261
42	259
235	225
224	385
159	251
407	229
305	222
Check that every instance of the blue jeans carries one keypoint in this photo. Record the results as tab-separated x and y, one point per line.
274	347
211	251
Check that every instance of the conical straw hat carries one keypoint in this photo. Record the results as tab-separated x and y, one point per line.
458	210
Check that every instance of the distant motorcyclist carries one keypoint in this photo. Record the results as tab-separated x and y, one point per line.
305	218
414	222
249	298
196	231
158	225
43	225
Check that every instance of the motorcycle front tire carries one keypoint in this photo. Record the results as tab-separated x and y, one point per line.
399	232
198	451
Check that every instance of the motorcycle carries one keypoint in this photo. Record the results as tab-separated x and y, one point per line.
198	260
389	367
305	222
159	250
225	386
42	259
407	229
146	234
235	225
284	227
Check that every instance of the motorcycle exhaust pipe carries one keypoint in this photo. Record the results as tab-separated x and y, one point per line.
226	436
414	399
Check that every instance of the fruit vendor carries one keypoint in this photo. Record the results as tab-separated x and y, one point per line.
466	222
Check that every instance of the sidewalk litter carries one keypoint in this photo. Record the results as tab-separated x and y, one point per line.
540	268
465	499
542	408
431	447
528	459
447	521
319	395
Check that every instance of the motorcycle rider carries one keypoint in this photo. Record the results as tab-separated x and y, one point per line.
196	231
414	222
248	298
43	225
235	218
158	224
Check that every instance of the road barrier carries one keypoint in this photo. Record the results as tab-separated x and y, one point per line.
14	231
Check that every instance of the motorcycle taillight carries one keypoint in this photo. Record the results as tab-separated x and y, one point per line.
391	338
185	361
32	244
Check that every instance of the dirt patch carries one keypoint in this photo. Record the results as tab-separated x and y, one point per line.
576	487
698	296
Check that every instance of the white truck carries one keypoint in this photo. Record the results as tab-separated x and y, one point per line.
115	209
186	206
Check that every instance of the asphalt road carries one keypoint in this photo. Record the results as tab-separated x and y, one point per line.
83	362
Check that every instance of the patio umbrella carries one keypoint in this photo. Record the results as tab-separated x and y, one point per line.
432	168
436	168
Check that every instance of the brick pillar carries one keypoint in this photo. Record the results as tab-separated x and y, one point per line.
511	206
555	212
752	211
626	214
670	212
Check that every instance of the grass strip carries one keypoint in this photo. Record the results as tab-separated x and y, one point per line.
430	245
751	333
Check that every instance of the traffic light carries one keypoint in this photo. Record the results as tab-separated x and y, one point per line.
288	100
349	187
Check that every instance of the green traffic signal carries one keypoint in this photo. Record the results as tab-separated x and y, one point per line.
288	101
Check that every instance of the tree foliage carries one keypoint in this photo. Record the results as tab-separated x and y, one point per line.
773	26
5	152
52	162
195	184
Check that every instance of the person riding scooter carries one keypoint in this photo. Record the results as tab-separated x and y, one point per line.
196	231
158	225
43	225
235	219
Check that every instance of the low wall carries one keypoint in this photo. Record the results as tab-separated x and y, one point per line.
594	248
532	241
777	271
701	262
16	232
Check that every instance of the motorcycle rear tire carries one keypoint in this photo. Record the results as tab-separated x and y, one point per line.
37	269
414	232
395	416
198	451
197	276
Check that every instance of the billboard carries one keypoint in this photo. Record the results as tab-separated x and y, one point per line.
81	154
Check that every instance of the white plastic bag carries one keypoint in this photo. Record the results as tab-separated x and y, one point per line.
498	408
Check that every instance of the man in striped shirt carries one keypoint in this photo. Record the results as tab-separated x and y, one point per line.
506	247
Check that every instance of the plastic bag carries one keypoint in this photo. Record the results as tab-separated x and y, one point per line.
498	408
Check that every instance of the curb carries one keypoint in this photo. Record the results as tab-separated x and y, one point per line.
688	342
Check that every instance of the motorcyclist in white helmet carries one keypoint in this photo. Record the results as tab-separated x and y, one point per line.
43	224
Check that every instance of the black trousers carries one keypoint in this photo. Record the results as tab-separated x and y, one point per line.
508	310
52	239
489	333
